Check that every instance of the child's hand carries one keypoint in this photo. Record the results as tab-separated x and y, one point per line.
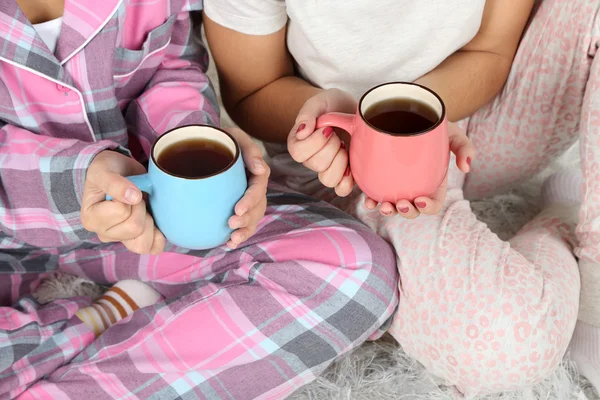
322	150
124	219
251	208
464	150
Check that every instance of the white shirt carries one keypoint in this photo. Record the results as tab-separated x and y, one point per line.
49	32
354	45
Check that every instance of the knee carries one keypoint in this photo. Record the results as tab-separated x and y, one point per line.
371	286
341	269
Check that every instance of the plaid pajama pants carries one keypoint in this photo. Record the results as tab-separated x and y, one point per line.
256	322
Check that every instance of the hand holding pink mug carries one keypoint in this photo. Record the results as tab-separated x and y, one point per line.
396	154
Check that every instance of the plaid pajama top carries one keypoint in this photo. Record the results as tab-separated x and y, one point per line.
124	71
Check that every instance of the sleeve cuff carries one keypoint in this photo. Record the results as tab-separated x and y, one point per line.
246	25
85	158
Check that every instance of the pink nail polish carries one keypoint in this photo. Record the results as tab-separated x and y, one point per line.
469	161
347	172
421	204
301	127
404	210
327	132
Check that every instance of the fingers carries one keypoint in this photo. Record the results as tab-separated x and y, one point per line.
246	224
319	150
130	228
112	184
462	147
428	206
251	153
249	219
302	150
240	221
370	204
138	232
433	204
307	116
332	100
143	243
106	176
323	158
159	242
119	221
249	210
256	192
387	209
251	207
99	217
404	208
407	210
336	170
346	185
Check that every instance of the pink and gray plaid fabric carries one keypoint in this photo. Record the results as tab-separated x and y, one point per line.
257	322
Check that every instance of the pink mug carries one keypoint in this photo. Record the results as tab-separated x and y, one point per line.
393	167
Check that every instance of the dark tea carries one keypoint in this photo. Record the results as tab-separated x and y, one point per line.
401	116
195	158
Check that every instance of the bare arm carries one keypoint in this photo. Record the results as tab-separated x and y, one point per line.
258	85
262	94
472	76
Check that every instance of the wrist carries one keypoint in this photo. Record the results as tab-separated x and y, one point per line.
88	154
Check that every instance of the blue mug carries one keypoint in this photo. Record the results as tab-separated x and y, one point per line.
194	212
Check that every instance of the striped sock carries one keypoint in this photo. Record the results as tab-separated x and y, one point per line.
118	302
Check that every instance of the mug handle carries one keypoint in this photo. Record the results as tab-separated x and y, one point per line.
338	120
143	183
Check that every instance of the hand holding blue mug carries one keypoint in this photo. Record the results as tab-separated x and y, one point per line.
251	208
195	181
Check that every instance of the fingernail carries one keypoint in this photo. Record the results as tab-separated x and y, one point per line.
469	161
386	212
404	210
421	204
327	132
347	172
301	127
132	195
258	165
